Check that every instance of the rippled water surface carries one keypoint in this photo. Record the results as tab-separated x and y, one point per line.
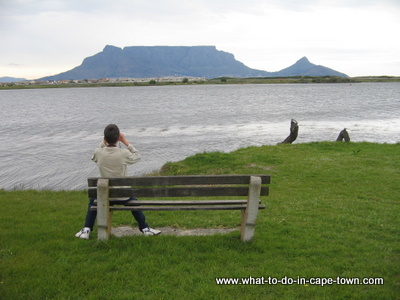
49	135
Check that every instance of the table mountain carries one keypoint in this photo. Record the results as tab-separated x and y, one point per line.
183	61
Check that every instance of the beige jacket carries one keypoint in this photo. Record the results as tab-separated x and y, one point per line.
113	161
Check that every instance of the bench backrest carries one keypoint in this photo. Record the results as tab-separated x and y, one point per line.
179	186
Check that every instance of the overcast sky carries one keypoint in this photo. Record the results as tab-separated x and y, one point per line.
356	37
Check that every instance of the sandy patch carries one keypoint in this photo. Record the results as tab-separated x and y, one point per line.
129	231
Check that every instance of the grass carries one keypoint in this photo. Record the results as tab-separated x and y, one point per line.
333	210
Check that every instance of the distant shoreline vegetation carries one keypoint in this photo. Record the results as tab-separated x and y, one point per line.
192	81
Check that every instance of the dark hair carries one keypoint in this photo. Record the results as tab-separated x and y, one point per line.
111	134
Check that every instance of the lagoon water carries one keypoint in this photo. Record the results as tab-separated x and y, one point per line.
49	135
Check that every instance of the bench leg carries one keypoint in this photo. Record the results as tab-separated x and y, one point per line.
103	210
250	214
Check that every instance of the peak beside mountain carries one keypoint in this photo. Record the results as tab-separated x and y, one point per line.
184	61
303	67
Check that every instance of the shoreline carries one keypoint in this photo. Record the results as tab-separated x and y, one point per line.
222	80
166	168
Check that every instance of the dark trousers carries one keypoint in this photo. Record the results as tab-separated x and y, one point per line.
92	214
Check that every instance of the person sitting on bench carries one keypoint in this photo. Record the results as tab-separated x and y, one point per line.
112	162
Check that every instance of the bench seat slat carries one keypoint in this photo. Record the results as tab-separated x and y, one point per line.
176	202
186	206
178	192
181	207
180	180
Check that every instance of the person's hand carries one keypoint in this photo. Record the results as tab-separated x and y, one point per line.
122	139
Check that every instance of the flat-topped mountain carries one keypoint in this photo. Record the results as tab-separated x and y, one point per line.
183	61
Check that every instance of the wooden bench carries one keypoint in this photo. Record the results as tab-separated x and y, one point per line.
193	188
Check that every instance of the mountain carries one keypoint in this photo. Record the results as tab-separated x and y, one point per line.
11	79
303	67
184	61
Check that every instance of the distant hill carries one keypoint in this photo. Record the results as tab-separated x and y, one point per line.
11	79
184	61
303	67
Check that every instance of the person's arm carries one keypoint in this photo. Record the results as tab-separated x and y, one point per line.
134	155
102	145
123	139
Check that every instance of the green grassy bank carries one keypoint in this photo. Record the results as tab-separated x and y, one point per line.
333	211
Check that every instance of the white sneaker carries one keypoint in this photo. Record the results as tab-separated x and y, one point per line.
84	233
150	231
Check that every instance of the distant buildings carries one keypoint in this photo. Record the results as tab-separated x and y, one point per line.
107	80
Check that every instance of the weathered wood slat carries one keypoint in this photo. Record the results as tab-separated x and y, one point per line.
176	202
178	192
180	180
181	207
